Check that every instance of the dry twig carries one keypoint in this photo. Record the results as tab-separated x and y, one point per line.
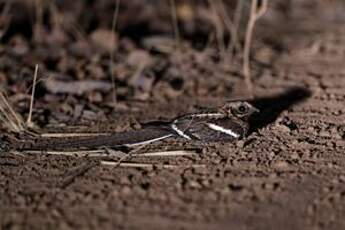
219	27
255	14
76	172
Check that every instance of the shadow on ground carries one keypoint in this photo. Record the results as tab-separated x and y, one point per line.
271	107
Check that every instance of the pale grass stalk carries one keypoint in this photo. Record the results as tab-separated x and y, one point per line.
9	117
167	154
29	122
7	120
7	123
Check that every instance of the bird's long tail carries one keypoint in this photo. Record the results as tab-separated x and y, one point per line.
127	139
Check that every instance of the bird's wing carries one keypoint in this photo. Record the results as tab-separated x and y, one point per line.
209	130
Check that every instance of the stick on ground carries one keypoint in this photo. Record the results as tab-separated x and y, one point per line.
103	153
76	172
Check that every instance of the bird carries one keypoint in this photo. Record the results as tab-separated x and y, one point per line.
228	122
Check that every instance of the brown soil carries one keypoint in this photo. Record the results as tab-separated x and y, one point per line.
289	173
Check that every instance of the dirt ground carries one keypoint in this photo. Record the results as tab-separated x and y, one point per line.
289	173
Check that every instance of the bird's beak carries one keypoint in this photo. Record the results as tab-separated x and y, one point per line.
255	110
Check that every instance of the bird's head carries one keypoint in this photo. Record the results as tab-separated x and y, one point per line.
239	109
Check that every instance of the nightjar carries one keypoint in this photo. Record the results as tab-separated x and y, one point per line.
225	123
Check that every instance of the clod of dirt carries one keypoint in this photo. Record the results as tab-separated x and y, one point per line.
19	46
81	49
138	58
160	44
106	40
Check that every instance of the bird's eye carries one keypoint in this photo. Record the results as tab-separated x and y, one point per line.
242	109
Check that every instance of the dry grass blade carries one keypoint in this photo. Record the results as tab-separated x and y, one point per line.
29	122
6	119
166	154
11	111
9	117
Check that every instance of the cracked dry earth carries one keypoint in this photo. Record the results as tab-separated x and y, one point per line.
288	174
